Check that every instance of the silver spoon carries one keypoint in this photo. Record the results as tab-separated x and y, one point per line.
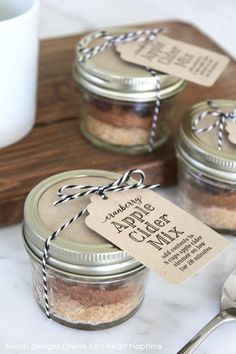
227	313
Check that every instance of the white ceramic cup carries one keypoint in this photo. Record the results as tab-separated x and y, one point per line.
18	68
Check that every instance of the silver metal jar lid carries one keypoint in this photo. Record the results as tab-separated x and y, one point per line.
77	249
106	74
199	150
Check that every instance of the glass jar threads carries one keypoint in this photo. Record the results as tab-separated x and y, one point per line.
207	165
92	284
118	101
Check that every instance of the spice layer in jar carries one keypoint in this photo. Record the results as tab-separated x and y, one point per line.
118	102
207	175
92	284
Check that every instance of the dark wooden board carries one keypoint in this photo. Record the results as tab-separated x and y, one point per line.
55	144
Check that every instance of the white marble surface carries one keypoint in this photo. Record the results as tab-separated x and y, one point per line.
170	315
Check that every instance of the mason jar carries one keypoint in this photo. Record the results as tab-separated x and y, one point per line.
91	283
207	176
118	101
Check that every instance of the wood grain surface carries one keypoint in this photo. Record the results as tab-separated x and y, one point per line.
55	144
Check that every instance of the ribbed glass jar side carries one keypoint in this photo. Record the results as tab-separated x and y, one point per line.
88	302
124	126
211	201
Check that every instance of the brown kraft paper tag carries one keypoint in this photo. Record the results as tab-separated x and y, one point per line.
171	56
231	130
156	232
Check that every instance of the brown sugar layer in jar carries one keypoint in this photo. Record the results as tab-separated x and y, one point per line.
73	312
125	124
212	196
133	115
93	304
114	135
213	205
219	218
92	295
88	303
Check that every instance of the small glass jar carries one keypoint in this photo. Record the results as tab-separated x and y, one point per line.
92	284
207	176
118	101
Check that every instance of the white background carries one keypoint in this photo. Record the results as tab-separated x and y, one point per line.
216	18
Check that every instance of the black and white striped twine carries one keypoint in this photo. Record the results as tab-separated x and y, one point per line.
112	40
220	122
116	186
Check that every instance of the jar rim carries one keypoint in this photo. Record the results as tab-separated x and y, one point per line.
106	74
83	277
198	154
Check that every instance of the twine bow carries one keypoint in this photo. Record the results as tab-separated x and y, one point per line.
110	41
221	119
84	190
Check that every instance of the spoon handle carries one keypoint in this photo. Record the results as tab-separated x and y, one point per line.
202	334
